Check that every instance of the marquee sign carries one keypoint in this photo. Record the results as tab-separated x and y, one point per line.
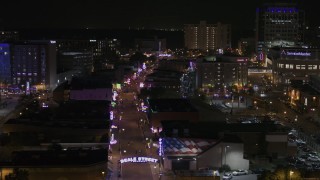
138	160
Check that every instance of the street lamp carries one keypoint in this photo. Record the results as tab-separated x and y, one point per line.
291	172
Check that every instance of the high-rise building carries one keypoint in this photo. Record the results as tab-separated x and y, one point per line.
278	24
34	63
5	67
207	37
151	45
97	48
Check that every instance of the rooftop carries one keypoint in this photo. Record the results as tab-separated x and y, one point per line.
90	83
186	146
171	105
212	130
59	158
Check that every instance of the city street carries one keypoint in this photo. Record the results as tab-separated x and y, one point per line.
132	135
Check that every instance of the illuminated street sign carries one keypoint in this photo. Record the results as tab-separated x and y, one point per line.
138	160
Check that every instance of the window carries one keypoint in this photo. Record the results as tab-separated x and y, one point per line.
312	67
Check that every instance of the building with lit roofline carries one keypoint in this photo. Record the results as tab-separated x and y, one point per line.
279	24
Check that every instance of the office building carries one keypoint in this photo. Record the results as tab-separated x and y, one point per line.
294	64
279	24
5	67
97	49
34	63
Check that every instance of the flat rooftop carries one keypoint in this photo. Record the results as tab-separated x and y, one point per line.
59	158
94	82
171	105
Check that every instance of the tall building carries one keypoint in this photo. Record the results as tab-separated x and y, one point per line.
34	63
207	37
5	67
97	48
246	46
278	24
9	36
220	71
151	45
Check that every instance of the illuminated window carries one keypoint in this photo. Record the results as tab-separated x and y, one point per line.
312	67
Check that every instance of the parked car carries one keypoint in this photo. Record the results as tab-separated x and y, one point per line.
239	172
227	176
258	171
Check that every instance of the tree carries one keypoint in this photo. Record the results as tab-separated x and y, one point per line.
282	173
18	174
225	168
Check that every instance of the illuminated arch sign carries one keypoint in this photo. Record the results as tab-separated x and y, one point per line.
138	160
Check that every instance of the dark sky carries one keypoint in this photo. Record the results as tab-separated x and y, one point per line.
107	14
134	13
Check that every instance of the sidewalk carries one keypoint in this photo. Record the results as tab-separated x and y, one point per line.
151	150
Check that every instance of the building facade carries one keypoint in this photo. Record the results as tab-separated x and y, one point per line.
34	63
279	24
97	49
5	66
294	64
9	36
207	37
222	71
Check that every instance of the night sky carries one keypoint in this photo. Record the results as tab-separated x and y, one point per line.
129	13
106	14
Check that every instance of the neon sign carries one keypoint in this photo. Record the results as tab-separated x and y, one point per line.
160	147
288	53
111	115
261	56
138	160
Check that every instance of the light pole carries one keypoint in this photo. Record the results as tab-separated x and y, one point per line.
225	154
291	172
232	99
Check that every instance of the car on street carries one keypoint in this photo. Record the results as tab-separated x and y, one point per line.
227	176
239	172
